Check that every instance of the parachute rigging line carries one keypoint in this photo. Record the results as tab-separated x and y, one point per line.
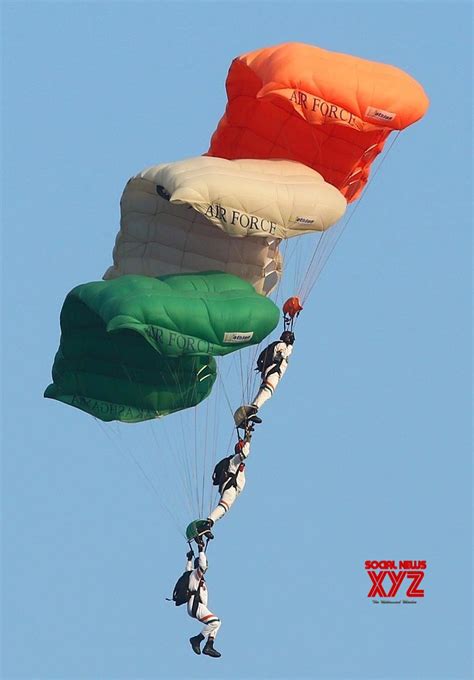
145	475
317	264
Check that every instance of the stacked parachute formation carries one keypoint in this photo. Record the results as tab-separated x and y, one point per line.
204	242
200	245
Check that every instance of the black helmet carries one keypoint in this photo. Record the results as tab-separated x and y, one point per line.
287	337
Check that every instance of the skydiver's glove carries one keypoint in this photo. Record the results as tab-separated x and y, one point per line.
190	554
249	428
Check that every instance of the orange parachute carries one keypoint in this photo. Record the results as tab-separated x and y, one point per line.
330	111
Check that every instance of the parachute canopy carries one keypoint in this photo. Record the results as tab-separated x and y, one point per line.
330	111
136	348
212	213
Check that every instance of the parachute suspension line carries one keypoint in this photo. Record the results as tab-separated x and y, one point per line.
323	249
196	483
182	447
222	385
151	486
215	450
312	276
208	444
180	454
247	359
248	376
287	253
211	407
225	394
296	258
196	470
170	447
255	375
133	457
214	446
314	267
204	466
242	380
164	469
186	457
291	251
196	487
187	445
190	448
298	263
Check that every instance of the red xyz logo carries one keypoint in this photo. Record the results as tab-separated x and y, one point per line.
387	577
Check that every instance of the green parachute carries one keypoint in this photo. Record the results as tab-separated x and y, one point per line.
137	347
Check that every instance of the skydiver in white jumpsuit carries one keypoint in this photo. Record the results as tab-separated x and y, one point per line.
197	604
274	365
232	481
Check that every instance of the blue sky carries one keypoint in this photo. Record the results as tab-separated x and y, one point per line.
365	449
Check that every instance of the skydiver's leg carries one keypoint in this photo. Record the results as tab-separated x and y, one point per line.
225	503
211	625
268	386
211	622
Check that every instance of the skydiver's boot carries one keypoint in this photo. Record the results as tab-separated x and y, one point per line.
196	643
206	529
209	648
246	414
206	534
198	528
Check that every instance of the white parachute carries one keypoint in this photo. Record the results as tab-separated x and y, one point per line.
214	214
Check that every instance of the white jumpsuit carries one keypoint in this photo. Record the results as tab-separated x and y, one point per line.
273	374
228	496
197	584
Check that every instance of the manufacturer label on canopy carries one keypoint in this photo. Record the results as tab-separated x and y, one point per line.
238	336
379	114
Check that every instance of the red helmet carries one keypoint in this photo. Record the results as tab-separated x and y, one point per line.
292	306
239	446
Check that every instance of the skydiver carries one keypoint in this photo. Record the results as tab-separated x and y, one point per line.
197	603
229	476
272	364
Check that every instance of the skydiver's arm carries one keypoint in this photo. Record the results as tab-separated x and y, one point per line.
283	351
189	560
245	449
202	562
238	458
198	573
